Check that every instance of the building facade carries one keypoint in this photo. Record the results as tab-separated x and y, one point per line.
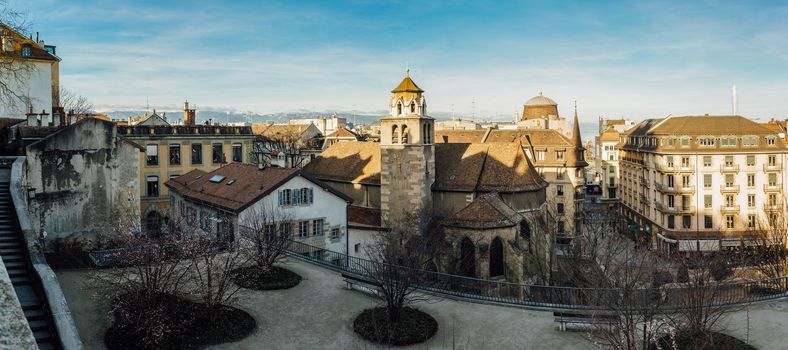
174	150
702	183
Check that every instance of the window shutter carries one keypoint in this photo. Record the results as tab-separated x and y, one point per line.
296	196
311	196
280	198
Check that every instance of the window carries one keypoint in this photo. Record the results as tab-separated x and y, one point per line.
728	161
285	197
152	187
685	181
175	154
559	227
706	180
729	221
686	221
204	220
750	180
196	153
559	155
191	215
772	179
707	221
269	230
286	229
706	141
749	141
707	201
671	222
685	141
670	181
334	232
559	190
670	161
729	200
671	201
772	199
303	229
728	141
317	227
772	160
216	153
685	162
26	51
238	155
152	155
540	155
770	140
559	173
707	161
357	247
751	221
750	201
729	180
750	160
560	208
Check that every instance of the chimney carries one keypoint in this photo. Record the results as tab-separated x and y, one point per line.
31	117
7	42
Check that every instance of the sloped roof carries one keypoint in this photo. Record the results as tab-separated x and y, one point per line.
363	217
708	125
249	184
36	51
459	136
496	167
537	137
357	162
485	212
407	85
610	135
342	132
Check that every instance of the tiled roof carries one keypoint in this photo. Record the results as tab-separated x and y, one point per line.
279	130
36	51
459	136
249	185
486	211
610	135
342	132
348	161
407	85
537	137
708	125
363	217
495	167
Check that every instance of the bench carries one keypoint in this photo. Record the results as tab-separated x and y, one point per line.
583	321
364	285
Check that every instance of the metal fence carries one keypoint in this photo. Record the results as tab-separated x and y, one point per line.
556	298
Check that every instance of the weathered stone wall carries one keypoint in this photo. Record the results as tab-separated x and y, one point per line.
15	332
406	177
80	178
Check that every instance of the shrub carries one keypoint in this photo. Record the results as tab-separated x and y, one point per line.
683	274
413	327
660	278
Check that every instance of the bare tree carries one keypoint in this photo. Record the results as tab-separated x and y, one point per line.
213	265
397	259
265	234
287	142
769	253
71	102
15	71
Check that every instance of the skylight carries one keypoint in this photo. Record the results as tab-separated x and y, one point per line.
216	178
230	182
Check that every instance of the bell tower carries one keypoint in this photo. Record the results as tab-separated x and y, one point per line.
407	154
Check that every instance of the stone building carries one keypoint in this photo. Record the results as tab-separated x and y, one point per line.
174	150
81	176
407	172
223	203
703	183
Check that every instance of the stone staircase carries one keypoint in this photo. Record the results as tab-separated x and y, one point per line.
13	251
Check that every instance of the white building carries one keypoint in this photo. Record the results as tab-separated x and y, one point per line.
325	125
221	203
34	81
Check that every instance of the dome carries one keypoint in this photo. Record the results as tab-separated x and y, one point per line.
540	101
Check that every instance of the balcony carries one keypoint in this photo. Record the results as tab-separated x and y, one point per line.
729	168
734	208
668	189
675	209
729	188
772	167
773	207
667	168
773	187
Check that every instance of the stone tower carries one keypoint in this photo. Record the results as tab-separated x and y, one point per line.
407	155
188	114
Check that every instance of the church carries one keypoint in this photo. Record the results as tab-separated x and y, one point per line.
487	197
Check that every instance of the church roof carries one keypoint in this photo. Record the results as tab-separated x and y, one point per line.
357	162
486	211
407	85
540	100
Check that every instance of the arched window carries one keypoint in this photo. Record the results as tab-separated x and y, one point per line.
404	134
496	258
467	258
399	108
413	107
394	134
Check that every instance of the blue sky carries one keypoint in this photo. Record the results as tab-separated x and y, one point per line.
633	59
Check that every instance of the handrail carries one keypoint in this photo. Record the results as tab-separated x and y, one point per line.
544	297
64	323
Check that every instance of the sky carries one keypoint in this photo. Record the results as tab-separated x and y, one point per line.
631	59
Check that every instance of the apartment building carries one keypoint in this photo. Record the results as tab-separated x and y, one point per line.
703	183
174	150
606	167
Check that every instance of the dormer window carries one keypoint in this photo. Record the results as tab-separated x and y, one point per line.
27	50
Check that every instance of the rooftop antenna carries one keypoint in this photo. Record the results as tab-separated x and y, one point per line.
734	101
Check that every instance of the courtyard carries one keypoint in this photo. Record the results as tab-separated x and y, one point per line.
318	314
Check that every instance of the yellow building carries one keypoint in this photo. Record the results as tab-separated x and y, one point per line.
174	150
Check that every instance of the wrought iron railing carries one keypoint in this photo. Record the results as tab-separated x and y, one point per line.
552	297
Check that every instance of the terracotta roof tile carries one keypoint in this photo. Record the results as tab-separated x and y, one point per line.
357	162
610	135
249	184
342	132
499	167
486	211
363	217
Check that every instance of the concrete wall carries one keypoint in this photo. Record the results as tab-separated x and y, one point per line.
15	332
81	177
